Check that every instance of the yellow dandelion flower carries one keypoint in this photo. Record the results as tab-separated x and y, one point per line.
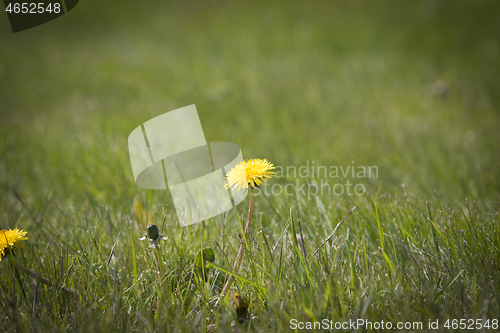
241	306
249	173
9	238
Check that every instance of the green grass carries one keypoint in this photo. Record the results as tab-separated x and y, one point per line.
411	88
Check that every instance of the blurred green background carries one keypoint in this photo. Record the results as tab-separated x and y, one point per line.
410	87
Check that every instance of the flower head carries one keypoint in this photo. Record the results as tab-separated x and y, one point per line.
241	306
249	173
153	235
9	238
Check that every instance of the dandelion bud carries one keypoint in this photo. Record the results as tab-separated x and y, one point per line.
152	232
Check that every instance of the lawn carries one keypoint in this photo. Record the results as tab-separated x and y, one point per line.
411	89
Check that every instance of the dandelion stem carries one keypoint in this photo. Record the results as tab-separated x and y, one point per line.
241	251
158	264
41	279
160	274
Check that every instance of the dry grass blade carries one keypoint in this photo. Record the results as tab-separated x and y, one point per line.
335	230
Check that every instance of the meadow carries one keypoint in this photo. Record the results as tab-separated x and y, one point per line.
411	88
